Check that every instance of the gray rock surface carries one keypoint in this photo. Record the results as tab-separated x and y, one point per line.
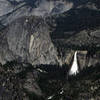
38	39
12	9
27	40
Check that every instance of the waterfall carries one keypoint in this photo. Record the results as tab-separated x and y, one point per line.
74	67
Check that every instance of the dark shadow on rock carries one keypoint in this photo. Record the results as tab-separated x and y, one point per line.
91	73
31	3
1	26
13	2
54	71
75	21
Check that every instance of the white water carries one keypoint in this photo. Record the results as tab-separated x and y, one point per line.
74	67
50	97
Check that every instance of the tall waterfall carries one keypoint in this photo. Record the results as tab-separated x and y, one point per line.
74	68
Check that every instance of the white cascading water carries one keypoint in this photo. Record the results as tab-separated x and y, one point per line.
74	68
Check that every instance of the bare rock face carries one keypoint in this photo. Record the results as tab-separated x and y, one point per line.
78	30
13	9
38	41
81	59
27	40
84	59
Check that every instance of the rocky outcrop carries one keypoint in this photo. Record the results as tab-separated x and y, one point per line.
38	40
27	40
71	21
83	57
78	30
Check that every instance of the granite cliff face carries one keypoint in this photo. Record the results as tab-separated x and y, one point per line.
27	40
78	30
13	9
38	40
48	39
